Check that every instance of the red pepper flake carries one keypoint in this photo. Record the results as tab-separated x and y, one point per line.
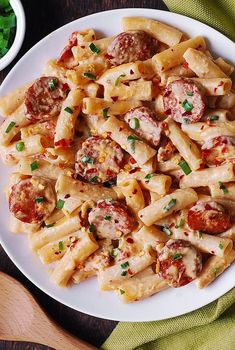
67	196
224	149
130	240
164	125
162	69
132	160
221	83
83	47
65	87
109	172
181	177
81	191
114	98
63	143
202	127
56	253
132	171
121	128
186	234
130	272
93	36
141	216
185	65
126	83
212	252
131	72
108	56
135	191
168	112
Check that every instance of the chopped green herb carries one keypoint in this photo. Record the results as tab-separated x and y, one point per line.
123	273
180	224
122	291
86	159
107	217
10	126
113	254
118	80
170	205
216	270
94	48
89	75
52	84
105	113
185	167
176	256
34	165
134	123
49	225
68	110
20	146
94	179
186	120
132	139
189	93
92	228
125	265
60	204
200	233
187	106
60	245
148	176
167	231
223	188
39	200
221	246
213	118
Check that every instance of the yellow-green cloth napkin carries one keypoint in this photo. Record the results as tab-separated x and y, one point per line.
213	326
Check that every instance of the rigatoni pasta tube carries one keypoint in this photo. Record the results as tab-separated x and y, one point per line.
111	277
167	205
153	182
186	147
205	177
213	267
173	56
217	192
161	31
180	70
10	102
140	90
202	65
54	251
82	190
139	150
70	109
77	253
226	67
142	285
230	233
129	71
150	236
96	106
133	194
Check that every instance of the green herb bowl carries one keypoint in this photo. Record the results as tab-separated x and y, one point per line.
19	35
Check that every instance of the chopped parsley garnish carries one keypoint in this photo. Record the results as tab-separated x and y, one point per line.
223	188
60	245
134	123
113	254
187	106
10	126
123	273
185	167
132	139
89	75
94	179
176	256
148	176
52	84
180	224
34	165
94	48
86	159
167	231
125	265
49	225
92	228
107	218
68	110
20	146
221	246
216	270
186	120
118	80
39	200
200	233
213	118
105	113
189	93
60	204
170	205
110	183
122	291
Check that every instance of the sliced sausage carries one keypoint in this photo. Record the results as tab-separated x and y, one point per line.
131	46
144	122
209	217
44	98
180	262
32	200
99	160
111	219
67	52
184	101
218	150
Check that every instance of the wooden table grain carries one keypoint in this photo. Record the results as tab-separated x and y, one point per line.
44	16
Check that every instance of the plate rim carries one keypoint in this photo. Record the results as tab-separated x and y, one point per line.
11	256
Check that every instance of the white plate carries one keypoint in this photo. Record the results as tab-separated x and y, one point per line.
86	297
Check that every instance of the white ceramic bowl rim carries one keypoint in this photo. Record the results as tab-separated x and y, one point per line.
19	36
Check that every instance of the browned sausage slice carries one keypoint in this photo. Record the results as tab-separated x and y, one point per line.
180	262
99	160
32	200
184	101
110	219
218	150
131	46
144	122
66	52
44	98
209	217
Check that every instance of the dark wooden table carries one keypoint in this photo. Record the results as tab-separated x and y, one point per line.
44	16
